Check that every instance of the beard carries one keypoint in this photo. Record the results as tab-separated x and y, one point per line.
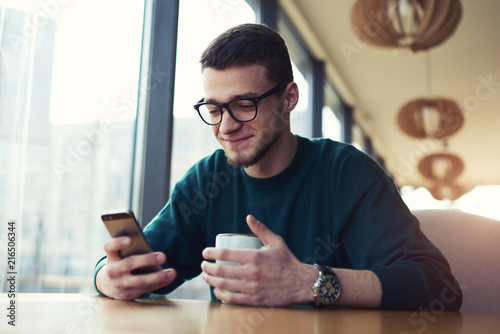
269	138
259	152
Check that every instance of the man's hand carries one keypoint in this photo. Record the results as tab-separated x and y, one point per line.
271	276
115	279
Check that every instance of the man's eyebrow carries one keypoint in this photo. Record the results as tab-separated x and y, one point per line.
247	95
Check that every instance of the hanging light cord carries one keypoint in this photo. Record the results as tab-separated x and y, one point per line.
428	65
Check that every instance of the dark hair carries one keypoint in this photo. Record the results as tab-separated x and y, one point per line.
248	44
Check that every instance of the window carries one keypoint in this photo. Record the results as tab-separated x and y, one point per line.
192	138
331	125
358	137
68	96
301	116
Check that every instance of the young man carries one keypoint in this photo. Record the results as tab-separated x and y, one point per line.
328	215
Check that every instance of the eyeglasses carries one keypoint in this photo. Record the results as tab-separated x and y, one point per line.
241	110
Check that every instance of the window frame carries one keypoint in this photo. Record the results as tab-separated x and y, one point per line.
154	125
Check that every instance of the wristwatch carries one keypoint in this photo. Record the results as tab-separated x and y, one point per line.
327	289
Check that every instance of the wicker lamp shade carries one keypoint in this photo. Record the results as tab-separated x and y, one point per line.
444	191
441	167
414	24
435	118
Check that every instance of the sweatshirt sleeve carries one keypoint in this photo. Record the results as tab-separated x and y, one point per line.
98	267
380	234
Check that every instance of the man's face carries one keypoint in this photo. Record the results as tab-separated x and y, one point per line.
245	143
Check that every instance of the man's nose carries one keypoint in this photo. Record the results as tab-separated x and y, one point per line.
228	123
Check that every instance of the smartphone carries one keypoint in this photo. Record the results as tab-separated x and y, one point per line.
123	223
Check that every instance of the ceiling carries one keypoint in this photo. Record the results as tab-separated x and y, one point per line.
377	83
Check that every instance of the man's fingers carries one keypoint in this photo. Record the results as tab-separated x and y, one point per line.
132	286
122	266
113	246
151	281
233	255
223	283
247	273
224	270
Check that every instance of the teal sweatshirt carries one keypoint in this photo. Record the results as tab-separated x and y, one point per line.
333	205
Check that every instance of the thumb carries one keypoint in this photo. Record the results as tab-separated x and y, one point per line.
267	236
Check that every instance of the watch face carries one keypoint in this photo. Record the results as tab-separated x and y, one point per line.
329	289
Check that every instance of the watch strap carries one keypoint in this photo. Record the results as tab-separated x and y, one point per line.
323	271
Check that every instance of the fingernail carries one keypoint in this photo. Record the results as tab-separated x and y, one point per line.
159	257
254	220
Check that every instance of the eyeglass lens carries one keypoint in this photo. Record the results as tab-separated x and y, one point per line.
242	111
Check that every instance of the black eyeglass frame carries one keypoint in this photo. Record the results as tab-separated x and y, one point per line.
223	106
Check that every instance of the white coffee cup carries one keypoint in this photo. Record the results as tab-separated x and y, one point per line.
237	241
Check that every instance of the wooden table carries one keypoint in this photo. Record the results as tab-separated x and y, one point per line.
78	313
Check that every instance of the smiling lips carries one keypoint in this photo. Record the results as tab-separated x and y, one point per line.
236	142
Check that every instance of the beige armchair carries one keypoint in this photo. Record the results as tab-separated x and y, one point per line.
471	244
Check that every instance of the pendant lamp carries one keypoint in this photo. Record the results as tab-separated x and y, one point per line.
414	24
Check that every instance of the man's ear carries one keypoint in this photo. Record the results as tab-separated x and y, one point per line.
291	97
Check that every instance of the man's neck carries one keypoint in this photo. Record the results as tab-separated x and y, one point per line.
279	157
